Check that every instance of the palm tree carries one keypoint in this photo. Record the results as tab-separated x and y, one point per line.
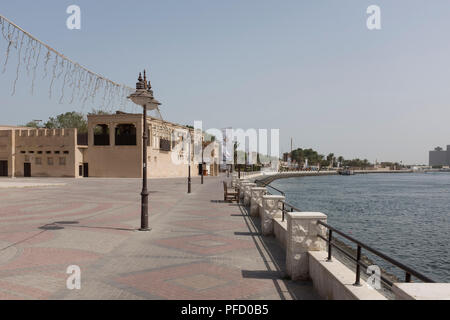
341	160
330	158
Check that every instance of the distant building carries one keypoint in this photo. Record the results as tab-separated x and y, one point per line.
440	157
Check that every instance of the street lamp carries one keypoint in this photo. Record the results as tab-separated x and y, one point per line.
202	159
143	96
189	170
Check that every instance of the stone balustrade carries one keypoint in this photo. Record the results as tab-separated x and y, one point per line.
302	231
256	200
271	210
241	187
248	193
234	180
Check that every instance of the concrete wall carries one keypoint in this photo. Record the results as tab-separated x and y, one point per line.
421	291
51	152
111	160
7	139
334	281
280	231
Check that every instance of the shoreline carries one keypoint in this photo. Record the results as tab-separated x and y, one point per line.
269	178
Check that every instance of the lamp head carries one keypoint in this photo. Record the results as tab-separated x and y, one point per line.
143	94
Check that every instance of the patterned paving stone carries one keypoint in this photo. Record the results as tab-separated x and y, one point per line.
204	281
199	246
205	244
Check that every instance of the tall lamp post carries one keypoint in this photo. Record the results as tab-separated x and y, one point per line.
189	169
143	96
202	159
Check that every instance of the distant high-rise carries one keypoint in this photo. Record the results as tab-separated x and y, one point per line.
440	157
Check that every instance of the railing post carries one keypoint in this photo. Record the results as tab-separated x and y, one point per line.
271	210
408	277
302	237
358	267
248	193
241	186
256	200
330	238
282	212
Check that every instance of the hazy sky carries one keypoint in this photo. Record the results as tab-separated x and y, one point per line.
310	68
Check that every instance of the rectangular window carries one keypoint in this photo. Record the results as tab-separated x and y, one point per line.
27	158
164	144
48	152
38	161
39	152
66	152
125	135
57	152
62	161
101	135
50	161
22	151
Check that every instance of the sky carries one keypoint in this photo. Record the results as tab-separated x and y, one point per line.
311	69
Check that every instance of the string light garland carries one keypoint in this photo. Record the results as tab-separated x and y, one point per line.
77	83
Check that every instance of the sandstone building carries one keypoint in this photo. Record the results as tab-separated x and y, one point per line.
111	148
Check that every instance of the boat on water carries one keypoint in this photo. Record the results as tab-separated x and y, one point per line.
346	172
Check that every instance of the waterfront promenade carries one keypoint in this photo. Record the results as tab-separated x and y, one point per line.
199	247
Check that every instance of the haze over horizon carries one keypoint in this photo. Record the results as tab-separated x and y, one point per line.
312	70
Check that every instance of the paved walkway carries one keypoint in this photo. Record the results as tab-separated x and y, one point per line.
199	247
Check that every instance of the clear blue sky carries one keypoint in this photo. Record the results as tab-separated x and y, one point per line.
310	68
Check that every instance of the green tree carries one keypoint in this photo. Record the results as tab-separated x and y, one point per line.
33	124
68	120
99	112
330	159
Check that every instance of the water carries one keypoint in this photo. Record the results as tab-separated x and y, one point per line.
405	216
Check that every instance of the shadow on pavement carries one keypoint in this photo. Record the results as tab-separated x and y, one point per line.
269	246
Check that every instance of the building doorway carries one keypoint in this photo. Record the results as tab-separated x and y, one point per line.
3	168
27	169
85	170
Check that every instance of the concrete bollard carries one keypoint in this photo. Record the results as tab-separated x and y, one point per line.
241	187
256	200
248	193
302	231
234	180
270	211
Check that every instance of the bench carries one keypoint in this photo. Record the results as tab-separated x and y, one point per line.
229	195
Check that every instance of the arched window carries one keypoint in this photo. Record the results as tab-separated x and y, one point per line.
126	135
101	135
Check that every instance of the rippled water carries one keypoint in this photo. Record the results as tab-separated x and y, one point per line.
405	216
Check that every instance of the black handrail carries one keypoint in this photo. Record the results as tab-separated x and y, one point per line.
408	271
284	203
259	182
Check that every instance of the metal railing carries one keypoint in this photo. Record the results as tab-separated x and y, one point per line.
266	185
245	174
332	244
285	207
